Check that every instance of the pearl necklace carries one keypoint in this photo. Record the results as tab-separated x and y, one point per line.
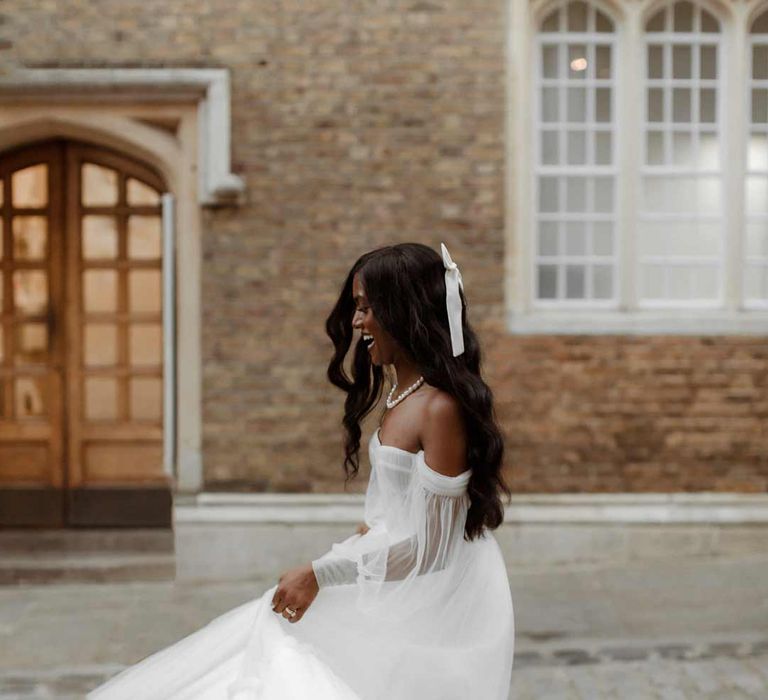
409	390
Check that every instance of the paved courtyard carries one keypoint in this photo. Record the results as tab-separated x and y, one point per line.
667	671
682	630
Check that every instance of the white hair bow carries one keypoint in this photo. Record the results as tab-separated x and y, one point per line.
453	300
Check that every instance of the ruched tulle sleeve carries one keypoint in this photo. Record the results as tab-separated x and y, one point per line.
421	559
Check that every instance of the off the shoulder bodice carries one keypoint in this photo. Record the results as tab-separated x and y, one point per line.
389	457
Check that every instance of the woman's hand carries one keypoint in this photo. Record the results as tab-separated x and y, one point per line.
362	528
296	590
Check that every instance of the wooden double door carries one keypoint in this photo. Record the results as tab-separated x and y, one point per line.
81	339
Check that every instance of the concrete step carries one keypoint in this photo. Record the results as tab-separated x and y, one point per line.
56	568
80	556
87	540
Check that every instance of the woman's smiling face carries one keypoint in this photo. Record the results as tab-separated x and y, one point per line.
363	320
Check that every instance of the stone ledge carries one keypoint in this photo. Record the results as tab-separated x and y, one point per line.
639	508
638	322
208	88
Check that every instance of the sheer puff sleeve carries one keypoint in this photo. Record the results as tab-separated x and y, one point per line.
417	562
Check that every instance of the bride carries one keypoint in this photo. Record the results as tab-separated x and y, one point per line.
415	605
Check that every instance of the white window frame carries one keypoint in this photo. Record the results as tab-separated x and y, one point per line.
752	41
527	316
591	126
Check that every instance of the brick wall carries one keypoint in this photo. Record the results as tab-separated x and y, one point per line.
367	122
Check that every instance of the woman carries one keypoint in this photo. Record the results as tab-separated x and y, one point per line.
416	604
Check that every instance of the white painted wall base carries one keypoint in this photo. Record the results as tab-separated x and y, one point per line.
243	536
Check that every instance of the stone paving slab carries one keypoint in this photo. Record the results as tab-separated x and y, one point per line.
564	677
601	632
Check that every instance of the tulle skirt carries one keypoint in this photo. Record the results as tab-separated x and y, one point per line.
462	650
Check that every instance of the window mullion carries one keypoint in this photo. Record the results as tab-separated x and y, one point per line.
733	113
630	94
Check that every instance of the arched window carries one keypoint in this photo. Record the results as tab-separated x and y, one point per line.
680	239
756	239
576	165
641	177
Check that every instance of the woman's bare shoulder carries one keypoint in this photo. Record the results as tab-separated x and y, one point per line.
443	434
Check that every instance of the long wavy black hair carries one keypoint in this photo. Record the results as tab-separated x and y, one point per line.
405	286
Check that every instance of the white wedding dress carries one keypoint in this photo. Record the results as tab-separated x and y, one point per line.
408	611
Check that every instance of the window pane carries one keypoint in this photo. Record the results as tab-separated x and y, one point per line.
99	186
603	62
144	237
577	17
31	344
757	195
30	236
576	194
146	398
547	282
603	148
575	281
708	23
577	148
708	66
602	281
548	194
548	238
707	105
603	194
655	62
655	105
709	195
550	111
577	61
145	343
101	398
100	344
682	148
30	397
654	147
141	194
760	106
30	291
757	239
602	23
144	291
550	147
681	61
758	152
760	25
756	282
681	105
552	22
99	237
709	151
602	238
100	290
576	104
576	238
549	62
656	22
29	186
683	17
602	105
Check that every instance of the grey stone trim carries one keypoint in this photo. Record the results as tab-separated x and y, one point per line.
209	88
678	322
639	508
